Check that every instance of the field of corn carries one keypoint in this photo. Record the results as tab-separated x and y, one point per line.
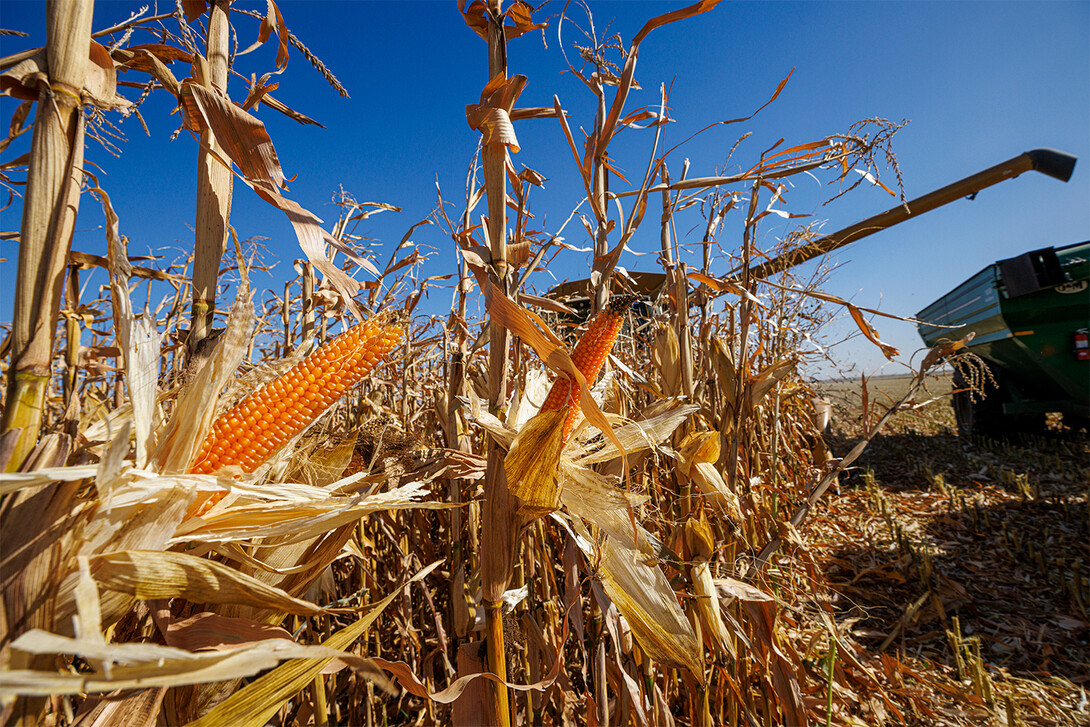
617	506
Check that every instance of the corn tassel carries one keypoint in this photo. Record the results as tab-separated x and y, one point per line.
589	356
266	420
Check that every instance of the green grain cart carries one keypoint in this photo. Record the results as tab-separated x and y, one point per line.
1029	314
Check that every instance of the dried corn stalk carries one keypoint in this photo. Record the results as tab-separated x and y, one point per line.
49	217
215	183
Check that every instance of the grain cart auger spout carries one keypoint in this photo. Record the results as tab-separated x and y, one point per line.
1029	314
1054	163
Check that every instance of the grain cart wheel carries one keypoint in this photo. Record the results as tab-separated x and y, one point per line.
985	417
976	417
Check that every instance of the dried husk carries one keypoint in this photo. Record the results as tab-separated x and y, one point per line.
532	464
180	442
644	597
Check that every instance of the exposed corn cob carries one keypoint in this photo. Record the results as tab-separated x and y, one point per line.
264	421
589	356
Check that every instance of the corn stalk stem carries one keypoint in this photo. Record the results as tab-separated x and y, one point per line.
285	316
741	409
73	336
498	529
682	293
321	704
214	189
455	387
308	300
49	216
601	187
667	211
497	662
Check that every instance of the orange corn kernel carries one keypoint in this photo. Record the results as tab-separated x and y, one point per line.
264	421
589	356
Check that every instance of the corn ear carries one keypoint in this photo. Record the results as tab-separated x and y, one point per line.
589	356
264	421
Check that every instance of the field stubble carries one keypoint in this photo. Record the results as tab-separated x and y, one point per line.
965	560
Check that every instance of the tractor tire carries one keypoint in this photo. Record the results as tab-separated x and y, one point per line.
979	417
985	417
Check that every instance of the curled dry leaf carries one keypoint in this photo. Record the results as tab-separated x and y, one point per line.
247	144
273	22
492	115
242	136
518	254
155	574
856	313
734	588
546	303
193	9
699	446
767	378
26	79
475	16
943	349
519	13
496	127
723	285
142	57
628	74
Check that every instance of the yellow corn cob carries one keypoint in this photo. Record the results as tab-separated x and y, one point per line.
589	356
265	420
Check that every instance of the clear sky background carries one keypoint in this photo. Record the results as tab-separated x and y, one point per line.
979	82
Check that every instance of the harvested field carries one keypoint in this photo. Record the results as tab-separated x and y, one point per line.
847	400
966	560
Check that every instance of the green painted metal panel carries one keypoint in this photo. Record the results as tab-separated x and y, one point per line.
1030	336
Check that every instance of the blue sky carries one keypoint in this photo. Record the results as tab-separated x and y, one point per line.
979	82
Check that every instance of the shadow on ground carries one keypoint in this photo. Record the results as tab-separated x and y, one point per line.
992	533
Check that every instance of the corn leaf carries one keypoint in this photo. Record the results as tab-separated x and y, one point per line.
156	574
254	704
